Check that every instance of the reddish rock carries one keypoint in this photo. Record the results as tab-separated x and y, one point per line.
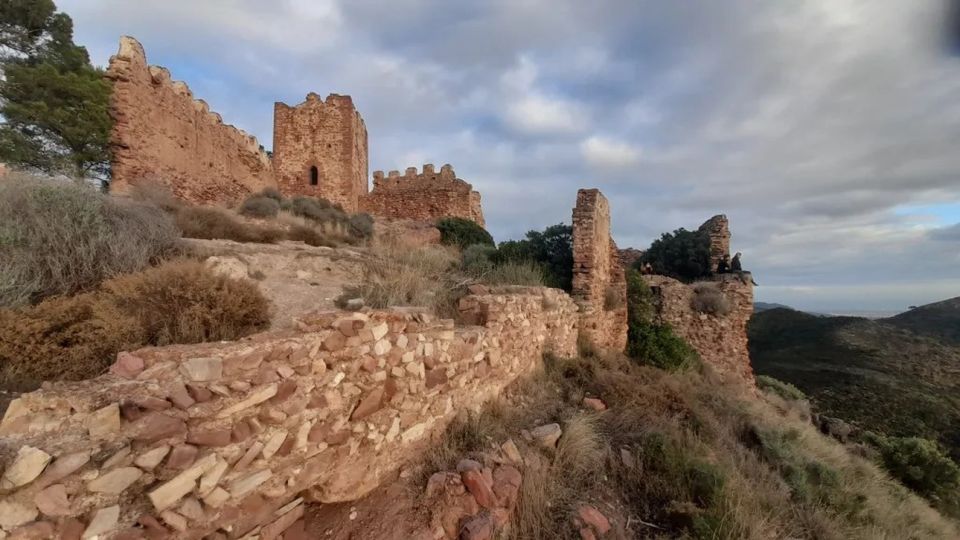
370	404
156	426
53	501
38	530
130	411
278	526
334	342
297	531
127	365
479	527
369	364
478	487
152	527
338	437
350	327
241	431
209	437
287	446
153	403
284	390
318	432
199	393
179	396
592	517
265	374
438	483
182	456
595	404
436	377
506	485
70	529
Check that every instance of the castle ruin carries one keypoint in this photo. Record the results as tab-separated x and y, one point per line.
161	134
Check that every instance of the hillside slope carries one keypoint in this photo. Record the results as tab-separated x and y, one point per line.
873	374
939	320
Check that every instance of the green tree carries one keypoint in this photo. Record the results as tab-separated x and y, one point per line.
55	104
462	232
551	249
682	254
649	342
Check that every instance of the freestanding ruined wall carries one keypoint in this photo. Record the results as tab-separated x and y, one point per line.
426	196
161	134
599	284
720	339
220	438
718	229
320	150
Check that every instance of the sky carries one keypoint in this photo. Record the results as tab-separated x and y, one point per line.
828	131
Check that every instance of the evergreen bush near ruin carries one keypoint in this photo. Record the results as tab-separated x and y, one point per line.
462	233
260	206
648	342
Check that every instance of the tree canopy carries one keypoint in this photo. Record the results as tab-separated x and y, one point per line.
682	254
551	248
54	103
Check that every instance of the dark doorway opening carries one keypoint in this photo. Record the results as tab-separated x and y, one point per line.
314	176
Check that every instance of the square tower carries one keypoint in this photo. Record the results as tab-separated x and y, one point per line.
320	150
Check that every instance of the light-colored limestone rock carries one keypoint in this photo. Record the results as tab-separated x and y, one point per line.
245	484
105	422
202	369
173	490
256	397
151	458
53	501
26	467
103	521
116	481
15	513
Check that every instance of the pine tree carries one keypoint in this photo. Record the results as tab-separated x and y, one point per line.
55	104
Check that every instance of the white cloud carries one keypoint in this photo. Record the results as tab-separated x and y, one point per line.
542	115
609	153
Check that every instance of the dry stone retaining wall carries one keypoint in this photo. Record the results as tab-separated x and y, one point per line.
162	134
599	283
423	196
721	340
217	440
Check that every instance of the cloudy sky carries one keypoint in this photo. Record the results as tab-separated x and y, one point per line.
827	130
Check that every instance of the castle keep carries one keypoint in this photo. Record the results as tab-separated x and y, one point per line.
163	135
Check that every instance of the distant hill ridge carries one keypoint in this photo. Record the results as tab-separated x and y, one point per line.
939	320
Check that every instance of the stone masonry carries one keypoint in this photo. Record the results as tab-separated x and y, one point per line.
599	283
320	150
218	440
161	134
425	196
718	229
721	340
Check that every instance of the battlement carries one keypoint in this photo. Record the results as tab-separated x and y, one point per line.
163	133
424	195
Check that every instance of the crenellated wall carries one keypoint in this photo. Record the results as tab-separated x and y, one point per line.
721	340
220	438
599	283
161	134
423	196
328	135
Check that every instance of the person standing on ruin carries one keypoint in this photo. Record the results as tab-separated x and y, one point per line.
723	267
735	265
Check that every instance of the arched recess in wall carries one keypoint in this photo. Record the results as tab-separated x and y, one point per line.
314	175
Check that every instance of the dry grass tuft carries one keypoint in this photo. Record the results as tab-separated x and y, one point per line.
78	337
708	298
216	223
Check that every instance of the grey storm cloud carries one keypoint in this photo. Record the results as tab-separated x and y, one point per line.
808	123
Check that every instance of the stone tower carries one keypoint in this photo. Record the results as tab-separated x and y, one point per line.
320	150
718	229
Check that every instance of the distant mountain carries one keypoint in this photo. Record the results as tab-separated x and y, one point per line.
876	374
764	306
940	320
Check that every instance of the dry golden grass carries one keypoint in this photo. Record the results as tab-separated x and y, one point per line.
71	338
705	460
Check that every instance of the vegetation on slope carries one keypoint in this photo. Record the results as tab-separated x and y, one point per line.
682	455
682	254
940	320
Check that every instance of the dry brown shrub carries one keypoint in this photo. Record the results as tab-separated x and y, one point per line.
708	298
78	337
215	223
186	302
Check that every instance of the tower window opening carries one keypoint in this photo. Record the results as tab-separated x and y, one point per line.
314	176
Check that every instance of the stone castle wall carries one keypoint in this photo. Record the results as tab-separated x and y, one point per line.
329	135
426	196
599	283
718	229
218	440
721	340
161	134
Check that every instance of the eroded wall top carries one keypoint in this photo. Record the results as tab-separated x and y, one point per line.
162	134
426	195
718	229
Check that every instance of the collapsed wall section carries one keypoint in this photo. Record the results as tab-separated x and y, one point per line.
719	338
425	196
161	134
320	150
192	440
599	283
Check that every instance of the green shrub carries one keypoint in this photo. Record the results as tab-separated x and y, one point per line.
318	210
921	465
361	225
61	238
260	206
462	232
783	389
682	254
551	249
650	343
